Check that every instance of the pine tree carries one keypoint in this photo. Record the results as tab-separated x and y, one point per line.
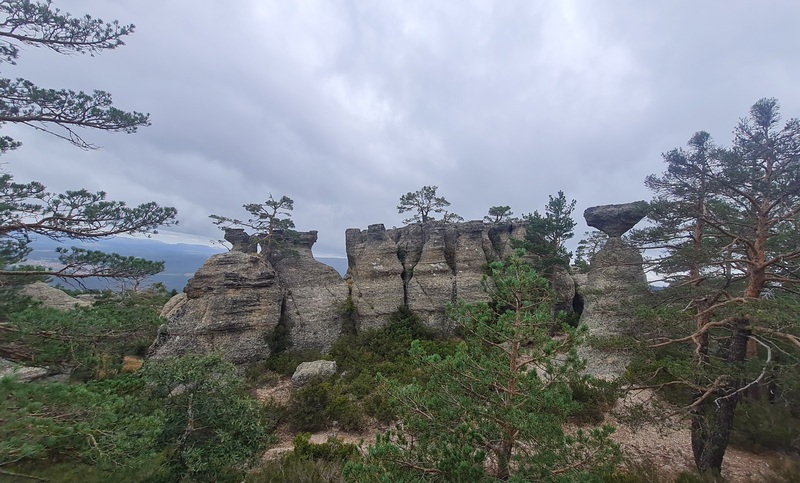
495	409
726	234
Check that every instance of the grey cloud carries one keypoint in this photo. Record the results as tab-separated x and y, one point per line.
344	106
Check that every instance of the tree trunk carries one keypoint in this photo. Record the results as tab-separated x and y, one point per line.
712	421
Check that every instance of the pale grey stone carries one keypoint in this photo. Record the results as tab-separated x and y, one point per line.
52	297
307	371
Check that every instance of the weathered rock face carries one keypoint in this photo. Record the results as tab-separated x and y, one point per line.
616	278
235	302
231	305
375	274
314	293
425	266
614	220
240	241
238	299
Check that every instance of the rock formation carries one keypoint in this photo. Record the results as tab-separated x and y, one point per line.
239	300
313	296
232	304
308	371
615	278
424	266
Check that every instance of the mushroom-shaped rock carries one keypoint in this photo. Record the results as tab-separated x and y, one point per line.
240	241
614	220
307	371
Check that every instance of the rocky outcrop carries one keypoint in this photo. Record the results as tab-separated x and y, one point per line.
21	373
232	304
52	297
424	266
239	300
615	279
313	296
375	274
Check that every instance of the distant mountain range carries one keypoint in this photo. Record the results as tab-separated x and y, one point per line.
181	260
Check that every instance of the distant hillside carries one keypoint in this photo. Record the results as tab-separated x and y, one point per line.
181	260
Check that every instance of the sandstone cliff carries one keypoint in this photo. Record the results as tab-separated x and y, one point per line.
238	300
424	266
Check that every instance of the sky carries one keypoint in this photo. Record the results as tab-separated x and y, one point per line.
344	106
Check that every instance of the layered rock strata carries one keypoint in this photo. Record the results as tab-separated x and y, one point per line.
237	301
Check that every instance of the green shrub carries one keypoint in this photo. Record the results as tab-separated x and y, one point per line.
760	425
212	429
307	406
318	404
332	450
349	314
259	374
297	470
92	337
595	397
285	363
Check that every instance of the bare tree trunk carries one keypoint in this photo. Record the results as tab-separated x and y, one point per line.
712	421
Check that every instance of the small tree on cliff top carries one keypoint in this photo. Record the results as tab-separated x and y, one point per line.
498	214
424	203
546	234
270	221
494	410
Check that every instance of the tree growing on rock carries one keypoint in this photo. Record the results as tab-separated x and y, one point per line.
28	209
424	203
498	214
495	409
546	235
270	222
726	230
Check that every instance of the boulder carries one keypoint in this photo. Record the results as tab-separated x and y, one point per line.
308	371
52	297
614	220
21	373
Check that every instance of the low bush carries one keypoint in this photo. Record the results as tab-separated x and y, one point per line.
285	363
594	398
324	404
92	338
295	470
761	425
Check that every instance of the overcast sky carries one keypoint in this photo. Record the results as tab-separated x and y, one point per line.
346	105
